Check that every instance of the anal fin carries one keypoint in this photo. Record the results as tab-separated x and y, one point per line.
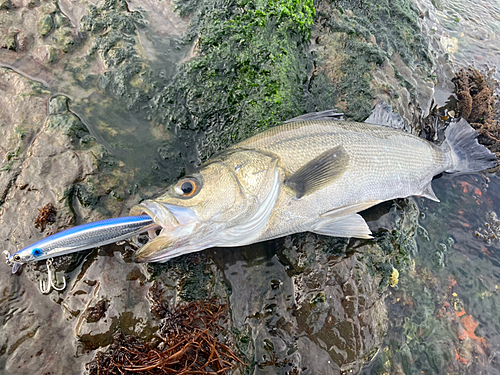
428	193
343	226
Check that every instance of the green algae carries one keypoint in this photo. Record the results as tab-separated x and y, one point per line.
370	33
45	25
248	73
56	31
68	123
193	277
114	28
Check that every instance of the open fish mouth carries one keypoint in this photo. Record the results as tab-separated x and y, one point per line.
176	222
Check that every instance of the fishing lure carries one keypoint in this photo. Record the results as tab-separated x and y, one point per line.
79	238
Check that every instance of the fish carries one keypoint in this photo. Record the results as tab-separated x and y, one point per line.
82	237
312	173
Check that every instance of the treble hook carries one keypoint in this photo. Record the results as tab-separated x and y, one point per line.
47	285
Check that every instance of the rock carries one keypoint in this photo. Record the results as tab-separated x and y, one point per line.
44	157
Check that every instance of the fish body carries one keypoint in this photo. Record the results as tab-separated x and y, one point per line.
309	174
81	237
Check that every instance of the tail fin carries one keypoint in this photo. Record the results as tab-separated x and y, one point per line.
467	154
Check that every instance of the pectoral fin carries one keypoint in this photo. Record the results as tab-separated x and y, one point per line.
343	226
428	193
319	172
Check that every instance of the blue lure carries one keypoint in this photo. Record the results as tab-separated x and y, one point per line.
79	238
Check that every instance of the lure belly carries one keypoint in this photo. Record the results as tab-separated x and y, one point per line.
82	237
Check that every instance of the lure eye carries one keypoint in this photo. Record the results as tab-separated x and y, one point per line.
187	187
17	257
37	252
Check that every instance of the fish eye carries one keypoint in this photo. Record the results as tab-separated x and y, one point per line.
17	257
187	187
37	252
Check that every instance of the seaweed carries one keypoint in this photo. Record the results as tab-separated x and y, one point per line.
46	215
478	104
185	344
248	74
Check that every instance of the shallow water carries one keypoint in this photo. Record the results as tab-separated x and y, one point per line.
453	285
467	31
283	300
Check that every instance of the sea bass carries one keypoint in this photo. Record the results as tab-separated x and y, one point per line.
311	174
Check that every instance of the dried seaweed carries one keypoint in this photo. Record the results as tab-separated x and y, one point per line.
479	105
46	214
185	344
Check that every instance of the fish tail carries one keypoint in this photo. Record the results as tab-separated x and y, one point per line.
466	153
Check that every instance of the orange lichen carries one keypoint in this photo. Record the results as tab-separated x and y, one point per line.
460	359
469	326
465	186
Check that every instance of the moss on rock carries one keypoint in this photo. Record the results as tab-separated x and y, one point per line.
367	34
248	73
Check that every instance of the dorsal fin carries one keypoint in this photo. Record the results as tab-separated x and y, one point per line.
330	114
383	115
319	172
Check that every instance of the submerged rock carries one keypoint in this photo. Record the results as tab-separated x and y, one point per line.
52	153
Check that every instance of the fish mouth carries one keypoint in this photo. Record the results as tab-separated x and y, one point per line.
164	214
177	222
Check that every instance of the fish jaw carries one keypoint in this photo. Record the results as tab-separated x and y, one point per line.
160	214
178	224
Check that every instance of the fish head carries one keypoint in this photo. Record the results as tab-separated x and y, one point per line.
226	202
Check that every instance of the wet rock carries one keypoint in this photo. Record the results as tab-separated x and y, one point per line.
318	292
23	115
43	156
367	50
101	300
32	27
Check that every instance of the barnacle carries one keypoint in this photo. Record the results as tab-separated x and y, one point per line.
491	229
